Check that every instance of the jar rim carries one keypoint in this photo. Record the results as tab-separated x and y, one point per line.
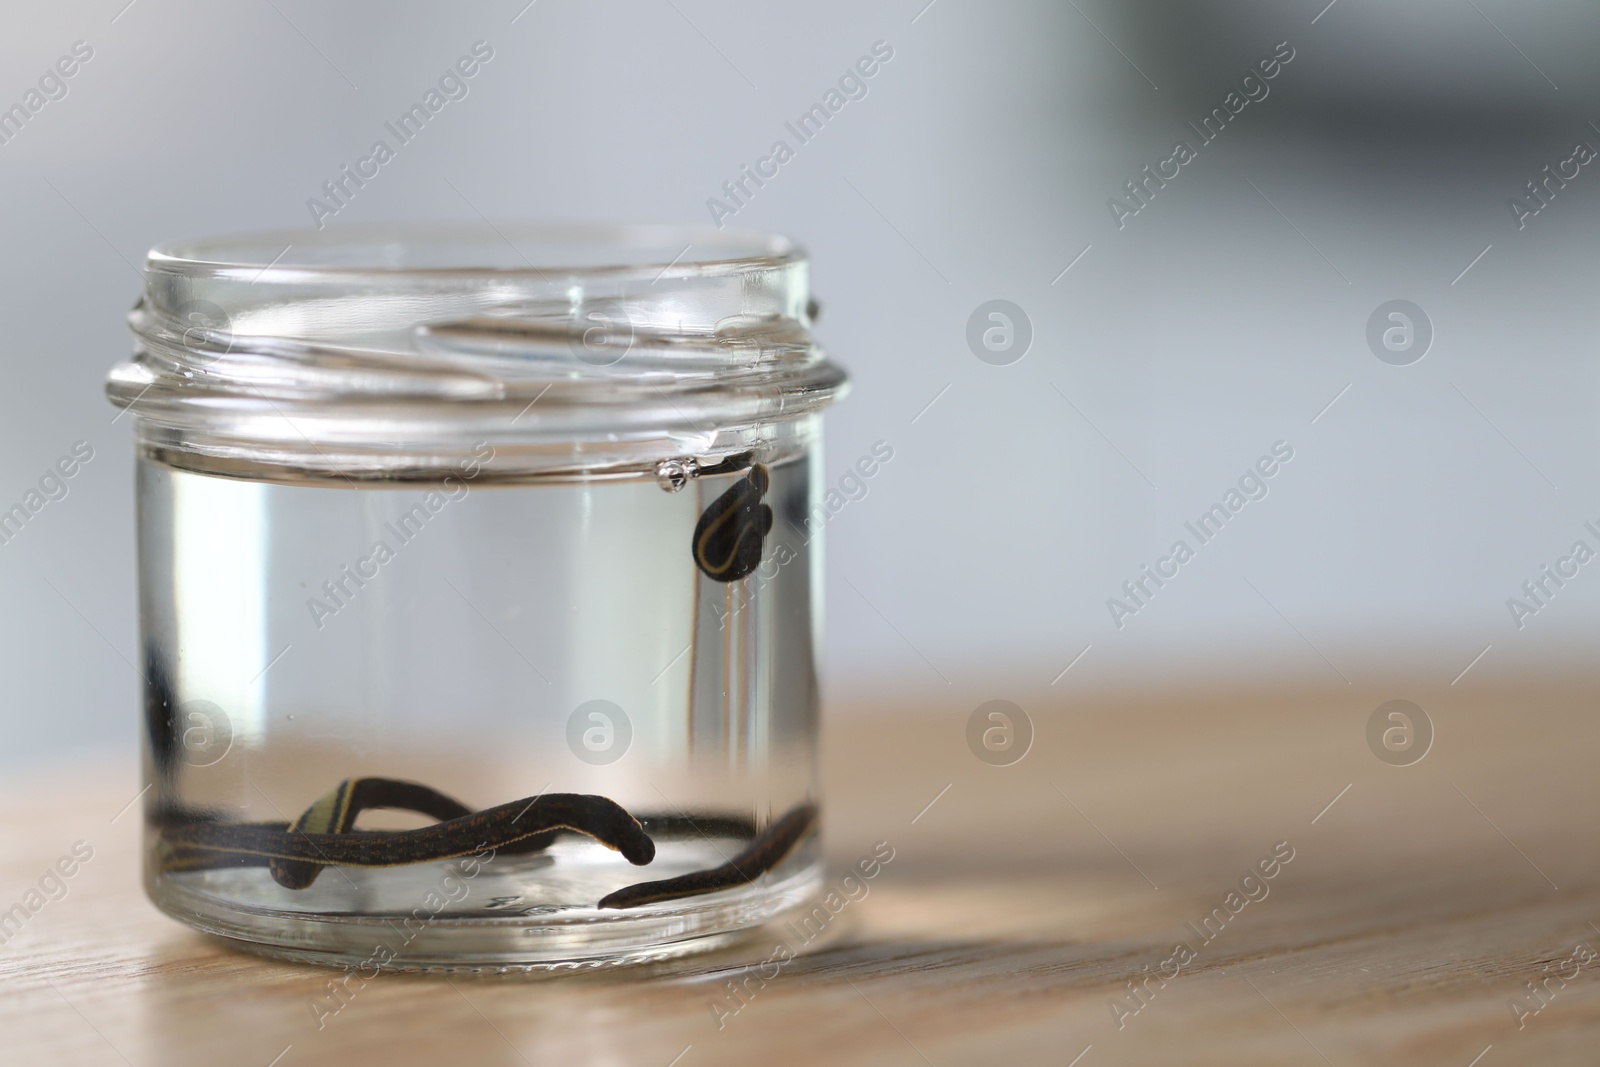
267	254
376	349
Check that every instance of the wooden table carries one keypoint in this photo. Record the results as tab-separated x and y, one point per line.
1020	904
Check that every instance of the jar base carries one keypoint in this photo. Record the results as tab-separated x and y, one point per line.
569	939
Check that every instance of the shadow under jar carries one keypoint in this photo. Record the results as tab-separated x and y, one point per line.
479	590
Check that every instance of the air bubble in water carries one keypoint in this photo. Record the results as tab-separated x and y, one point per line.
674	474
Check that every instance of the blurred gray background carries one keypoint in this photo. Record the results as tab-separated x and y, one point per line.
1167	354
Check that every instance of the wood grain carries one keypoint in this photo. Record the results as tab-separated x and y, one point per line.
1017	907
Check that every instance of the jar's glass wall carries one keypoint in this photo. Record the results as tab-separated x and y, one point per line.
492	639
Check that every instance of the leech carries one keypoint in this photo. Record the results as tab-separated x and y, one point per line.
325	835
336	813
759	856
426	801
504	825
729	537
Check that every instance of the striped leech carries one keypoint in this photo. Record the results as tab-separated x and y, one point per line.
731	534
727	546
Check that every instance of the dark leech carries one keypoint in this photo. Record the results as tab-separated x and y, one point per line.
326	836
730	535
193	841
336	813
759	856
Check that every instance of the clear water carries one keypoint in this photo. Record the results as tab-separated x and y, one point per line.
447	634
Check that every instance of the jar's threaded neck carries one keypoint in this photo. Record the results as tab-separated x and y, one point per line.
395	345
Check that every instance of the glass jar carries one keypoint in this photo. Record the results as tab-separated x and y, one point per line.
479	590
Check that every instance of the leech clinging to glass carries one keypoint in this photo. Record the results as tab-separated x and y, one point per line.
729	537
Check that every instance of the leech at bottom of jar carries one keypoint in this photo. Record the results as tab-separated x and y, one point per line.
326	836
